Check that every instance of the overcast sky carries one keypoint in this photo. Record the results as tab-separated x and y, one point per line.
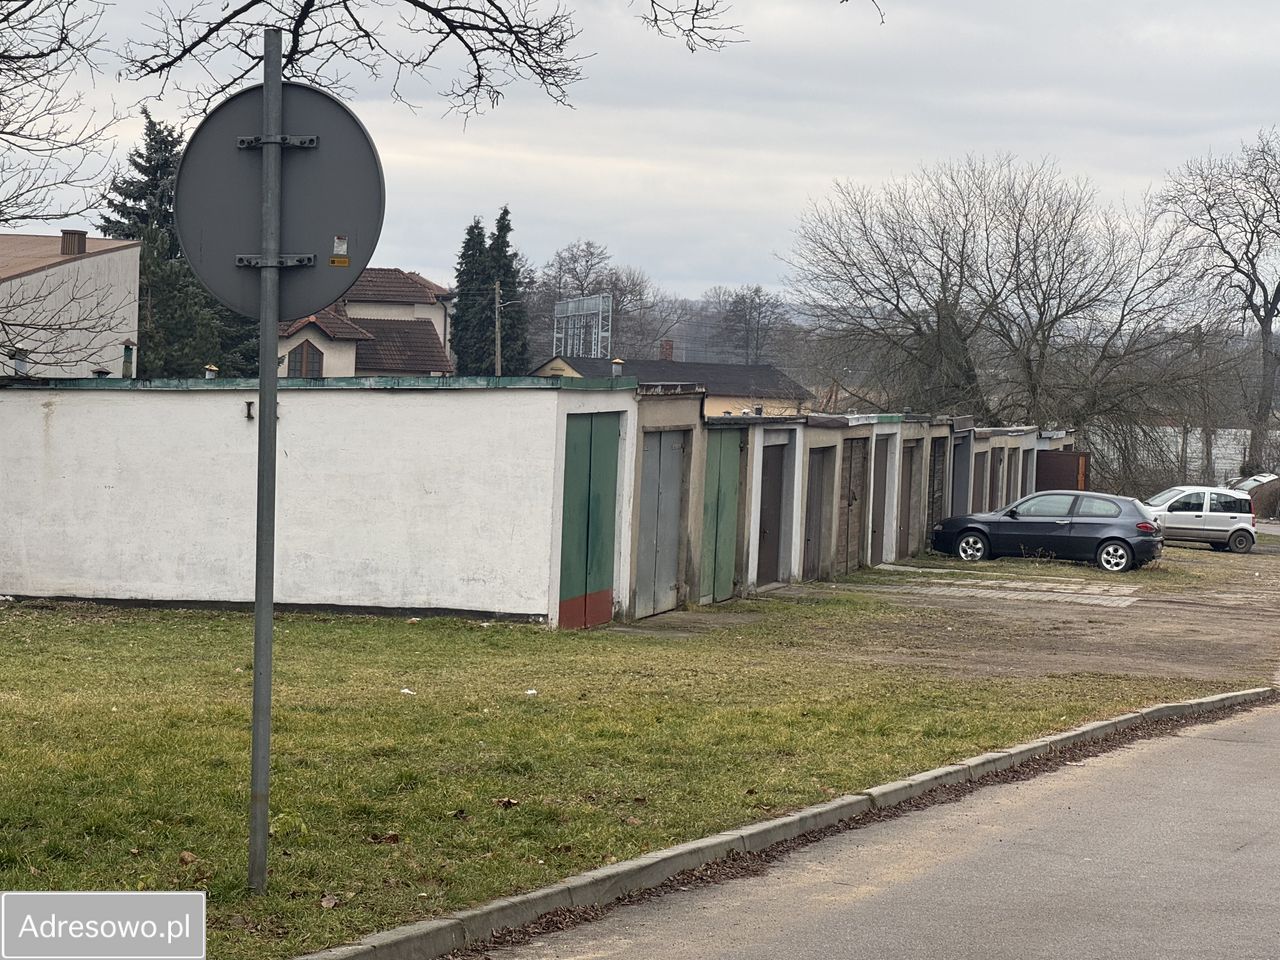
696	166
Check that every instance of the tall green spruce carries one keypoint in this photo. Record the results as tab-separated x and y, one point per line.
480	266
180	326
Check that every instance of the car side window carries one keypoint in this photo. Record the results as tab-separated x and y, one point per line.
1225	503
1097	507
1050	505
1191	503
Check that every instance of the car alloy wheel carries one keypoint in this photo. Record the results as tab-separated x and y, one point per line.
1240	542
1114	557
971	546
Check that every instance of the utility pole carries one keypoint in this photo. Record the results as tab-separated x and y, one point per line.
497	328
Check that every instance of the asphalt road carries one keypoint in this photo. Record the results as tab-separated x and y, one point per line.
1168	848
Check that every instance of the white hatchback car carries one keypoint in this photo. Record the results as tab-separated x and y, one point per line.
1217	516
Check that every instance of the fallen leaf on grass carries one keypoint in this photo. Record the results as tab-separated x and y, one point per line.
384	838
506	803
632	821
186	858
459	814
406	690
329	901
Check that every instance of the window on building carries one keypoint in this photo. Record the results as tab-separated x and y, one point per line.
306	360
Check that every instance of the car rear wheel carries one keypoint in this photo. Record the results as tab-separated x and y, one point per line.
1240	542
972	546
1115	556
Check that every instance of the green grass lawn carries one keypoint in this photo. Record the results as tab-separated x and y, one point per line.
126	741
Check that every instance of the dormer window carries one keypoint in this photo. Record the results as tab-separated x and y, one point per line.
306	360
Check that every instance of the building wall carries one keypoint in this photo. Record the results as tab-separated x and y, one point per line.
726	406
386	498
95	298
339	355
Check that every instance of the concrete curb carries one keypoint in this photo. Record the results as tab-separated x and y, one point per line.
600	887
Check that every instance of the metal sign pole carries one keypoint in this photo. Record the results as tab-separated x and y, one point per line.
264	580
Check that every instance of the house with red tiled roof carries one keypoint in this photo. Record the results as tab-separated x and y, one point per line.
391	323
68	305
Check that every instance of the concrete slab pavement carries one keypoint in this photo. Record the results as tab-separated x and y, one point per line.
1164	849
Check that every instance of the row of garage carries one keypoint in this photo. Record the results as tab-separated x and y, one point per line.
727	506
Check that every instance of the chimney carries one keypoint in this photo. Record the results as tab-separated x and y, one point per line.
210	372
73	242
666	349
615	367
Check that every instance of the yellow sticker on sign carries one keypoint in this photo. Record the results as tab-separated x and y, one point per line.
339	261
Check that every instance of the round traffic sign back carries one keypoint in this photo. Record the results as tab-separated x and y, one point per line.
331	210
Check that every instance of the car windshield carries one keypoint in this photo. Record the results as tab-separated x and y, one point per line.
1254	481
1164	496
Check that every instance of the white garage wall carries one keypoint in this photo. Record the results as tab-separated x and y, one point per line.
445	499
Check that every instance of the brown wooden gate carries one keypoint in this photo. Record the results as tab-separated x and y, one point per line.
853	494
817	511
1062	470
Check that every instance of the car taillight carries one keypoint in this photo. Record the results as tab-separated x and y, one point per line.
1144	527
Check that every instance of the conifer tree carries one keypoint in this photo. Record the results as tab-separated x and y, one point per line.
505	270
473	317
180	326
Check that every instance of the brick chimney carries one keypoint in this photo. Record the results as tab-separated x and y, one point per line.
666	349
73	242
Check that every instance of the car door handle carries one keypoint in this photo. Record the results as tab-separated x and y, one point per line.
1198	516
1060	522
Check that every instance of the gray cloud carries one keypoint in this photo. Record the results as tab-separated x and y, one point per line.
695	166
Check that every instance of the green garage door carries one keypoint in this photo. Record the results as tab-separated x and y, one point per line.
720	514
590	506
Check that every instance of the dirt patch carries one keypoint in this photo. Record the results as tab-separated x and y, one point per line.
1205	616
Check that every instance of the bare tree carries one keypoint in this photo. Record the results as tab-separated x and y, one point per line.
886	275
51	146
1006	291
750	318
1229	208
493	43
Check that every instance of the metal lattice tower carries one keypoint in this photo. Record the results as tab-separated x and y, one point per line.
584	327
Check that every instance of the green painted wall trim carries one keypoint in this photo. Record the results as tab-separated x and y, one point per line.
613	384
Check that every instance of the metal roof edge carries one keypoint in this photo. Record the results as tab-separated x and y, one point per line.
324	383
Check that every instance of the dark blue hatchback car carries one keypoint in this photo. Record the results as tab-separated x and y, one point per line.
1116	533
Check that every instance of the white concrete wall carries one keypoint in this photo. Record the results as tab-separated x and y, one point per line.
75	316
395	498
